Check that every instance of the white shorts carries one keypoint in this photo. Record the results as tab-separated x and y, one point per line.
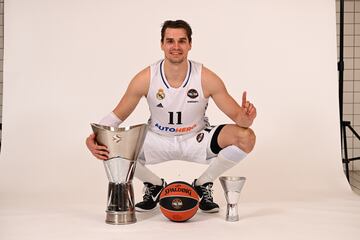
197	147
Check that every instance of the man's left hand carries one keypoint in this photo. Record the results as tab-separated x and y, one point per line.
249	111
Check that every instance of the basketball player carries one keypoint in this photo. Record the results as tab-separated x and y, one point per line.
177	91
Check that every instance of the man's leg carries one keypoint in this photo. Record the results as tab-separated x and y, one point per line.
153	184
227	158
144	174
152	188
152	141
232	143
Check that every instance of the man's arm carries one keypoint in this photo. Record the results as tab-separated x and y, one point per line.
214	87
138	87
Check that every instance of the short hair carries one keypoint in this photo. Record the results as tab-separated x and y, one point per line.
176	24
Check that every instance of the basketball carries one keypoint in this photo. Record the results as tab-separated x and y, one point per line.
179	201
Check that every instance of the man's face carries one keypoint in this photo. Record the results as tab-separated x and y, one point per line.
176	45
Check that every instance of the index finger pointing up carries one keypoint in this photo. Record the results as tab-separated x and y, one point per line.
243	99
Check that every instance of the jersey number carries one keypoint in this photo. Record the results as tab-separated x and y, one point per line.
171	118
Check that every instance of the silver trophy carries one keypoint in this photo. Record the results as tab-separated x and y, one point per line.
232	187
124	145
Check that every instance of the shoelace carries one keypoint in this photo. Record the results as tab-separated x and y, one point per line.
147	191
207	193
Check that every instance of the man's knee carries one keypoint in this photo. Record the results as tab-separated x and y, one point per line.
246	139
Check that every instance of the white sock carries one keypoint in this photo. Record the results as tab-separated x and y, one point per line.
145	175
226	159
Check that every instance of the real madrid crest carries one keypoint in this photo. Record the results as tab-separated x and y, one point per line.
160	95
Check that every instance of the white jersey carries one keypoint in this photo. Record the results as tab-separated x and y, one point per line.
176	111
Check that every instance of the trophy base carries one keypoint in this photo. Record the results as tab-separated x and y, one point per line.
232	213
120	218
232	218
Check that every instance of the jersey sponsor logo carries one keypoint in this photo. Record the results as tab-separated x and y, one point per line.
192	93
160	105
160	95
192	101
200	137
173	130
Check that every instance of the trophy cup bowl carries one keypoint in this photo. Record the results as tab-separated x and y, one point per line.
124	145
232	187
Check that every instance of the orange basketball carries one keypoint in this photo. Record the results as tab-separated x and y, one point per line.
179	201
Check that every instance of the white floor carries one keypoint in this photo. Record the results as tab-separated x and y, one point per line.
315	219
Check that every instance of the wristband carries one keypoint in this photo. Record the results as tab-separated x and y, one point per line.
111	120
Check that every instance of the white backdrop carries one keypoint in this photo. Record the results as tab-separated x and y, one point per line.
67	63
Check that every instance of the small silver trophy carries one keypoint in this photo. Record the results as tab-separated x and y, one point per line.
232	187
124	145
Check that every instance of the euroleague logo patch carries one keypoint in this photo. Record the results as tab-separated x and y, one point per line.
192	93
200	137
117	138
